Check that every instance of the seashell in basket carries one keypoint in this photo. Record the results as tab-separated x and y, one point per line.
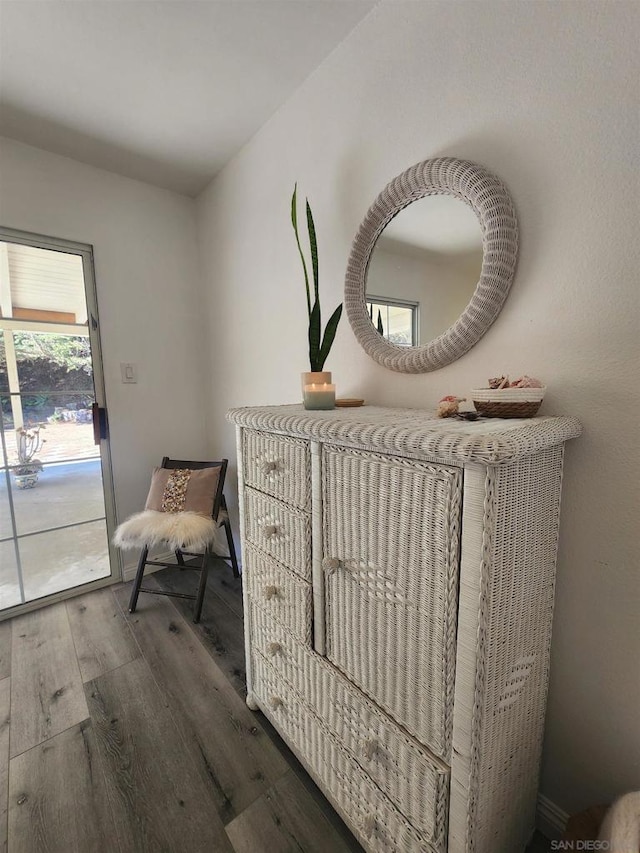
508	402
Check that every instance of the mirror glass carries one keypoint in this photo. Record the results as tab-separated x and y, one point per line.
424	269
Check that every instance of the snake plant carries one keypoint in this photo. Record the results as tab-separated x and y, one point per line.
380	325
319	345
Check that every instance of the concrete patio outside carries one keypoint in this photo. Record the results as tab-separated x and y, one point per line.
62	441
66	494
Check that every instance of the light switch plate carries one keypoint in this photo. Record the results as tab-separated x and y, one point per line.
129	372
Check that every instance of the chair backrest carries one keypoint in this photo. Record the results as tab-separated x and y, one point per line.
196	466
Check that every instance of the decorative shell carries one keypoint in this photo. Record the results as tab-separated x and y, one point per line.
525	381
448	406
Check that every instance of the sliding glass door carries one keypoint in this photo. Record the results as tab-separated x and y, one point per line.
56	497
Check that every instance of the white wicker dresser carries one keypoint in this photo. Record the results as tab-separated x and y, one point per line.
398	592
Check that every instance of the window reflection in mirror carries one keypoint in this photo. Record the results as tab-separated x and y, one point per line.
395	321
429	257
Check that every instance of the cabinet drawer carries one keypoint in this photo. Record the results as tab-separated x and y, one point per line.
415	782
279	593
279	531
379	826
390	543
278	466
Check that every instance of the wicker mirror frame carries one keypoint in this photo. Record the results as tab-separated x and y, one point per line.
490	200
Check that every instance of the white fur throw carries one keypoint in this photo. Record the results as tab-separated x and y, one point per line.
620	830
176	529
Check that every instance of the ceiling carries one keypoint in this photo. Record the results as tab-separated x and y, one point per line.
165	91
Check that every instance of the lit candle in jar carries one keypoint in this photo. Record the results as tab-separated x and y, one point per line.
320	396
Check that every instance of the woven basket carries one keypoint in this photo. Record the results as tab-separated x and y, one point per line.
508	402
507	410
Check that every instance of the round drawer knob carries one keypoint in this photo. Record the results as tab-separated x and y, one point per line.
268	466
330	564
369	748
274	648
270	529
275	702
369	825
270	592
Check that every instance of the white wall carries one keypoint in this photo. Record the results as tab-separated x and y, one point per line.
545	95
147	280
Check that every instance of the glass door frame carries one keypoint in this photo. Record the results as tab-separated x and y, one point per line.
85	251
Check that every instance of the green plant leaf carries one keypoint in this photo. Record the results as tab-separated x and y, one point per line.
380	326
313	244
329	335
314	337
294	222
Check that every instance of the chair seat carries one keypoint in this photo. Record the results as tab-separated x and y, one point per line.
190	487
150	528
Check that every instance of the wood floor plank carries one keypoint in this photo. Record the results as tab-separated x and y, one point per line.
102	638
312	789
223	735
46	686
5	648
222	582
286	819
5	721
58	798
220	628
158	797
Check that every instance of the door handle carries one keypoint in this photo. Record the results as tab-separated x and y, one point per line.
99	423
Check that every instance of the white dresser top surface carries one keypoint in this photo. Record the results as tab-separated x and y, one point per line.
414	432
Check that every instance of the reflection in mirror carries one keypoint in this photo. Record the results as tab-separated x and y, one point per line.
424	270
395	319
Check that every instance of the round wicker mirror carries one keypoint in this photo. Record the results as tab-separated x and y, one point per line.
489	199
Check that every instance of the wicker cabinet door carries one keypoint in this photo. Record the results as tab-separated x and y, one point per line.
391	530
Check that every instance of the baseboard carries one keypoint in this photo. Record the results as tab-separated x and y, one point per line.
551	820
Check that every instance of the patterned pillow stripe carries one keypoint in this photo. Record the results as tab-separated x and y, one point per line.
183	490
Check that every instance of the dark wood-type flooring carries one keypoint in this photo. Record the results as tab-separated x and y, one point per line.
130	733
